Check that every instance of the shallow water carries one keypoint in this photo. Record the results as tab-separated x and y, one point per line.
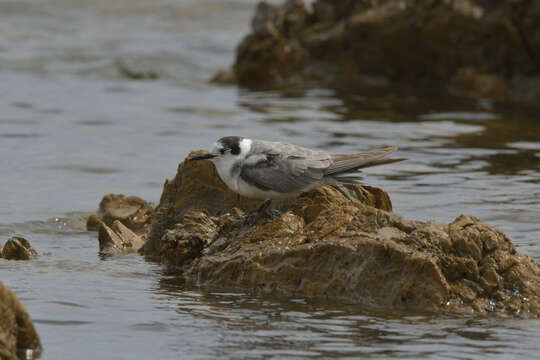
72	129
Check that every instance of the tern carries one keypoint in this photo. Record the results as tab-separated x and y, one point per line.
268	170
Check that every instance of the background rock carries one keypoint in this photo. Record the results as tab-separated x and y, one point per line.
17	332
481	48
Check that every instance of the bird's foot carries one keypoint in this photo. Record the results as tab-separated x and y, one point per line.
253	216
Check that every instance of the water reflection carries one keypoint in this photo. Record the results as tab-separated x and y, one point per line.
297	327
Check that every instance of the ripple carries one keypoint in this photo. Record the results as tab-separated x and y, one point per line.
96	122
62	322
88	169
22	105
460	116
20	135
67	303
150	326
525	145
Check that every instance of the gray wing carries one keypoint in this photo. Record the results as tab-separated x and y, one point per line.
344	163
346	168
283	167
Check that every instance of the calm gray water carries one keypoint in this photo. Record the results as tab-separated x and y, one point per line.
72	129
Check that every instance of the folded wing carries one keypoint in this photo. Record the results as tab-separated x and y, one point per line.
284	168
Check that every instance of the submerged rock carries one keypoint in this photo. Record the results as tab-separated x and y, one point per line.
17	333
338	243
118	239
17	248
132	211
477	48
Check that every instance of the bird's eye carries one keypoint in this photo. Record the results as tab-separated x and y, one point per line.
222	151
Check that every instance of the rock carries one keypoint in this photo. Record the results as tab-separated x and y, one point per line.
197	186
136	69
467	82
18	248
334	243
132	211
17	333
478	48
118	239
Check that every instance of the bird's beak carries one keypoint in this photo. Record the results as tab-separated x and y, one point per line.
203	157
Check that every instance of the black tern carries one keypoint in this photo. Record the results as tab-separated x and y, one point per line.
273	170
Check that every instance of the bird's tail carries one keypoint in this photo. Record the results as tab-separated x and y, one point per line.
346	167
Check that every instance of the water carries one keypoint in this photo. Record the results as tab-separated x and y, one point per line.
73	129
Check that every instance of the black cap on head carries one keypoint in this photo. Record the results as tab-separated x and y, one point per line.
231	142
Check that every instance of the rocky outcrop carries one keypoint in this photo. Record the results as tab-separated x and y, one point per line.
17	248
338	243
132	211
17	333
118	239
473	48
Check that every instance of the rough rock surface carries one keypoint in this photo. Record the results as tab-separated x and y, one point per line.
132	211
473	48
17	332
17	248
329	245
118	239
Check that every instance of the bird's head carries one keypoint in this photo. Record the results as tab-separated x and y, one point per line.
227	150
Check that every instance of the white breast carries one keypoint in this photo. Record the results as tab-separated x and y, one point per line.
224	168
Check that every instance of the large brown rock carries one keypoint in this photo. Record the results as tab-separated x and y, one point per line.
17	333
327	244
473	48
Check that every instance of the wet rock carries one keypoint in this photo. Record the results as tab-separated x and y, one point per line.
118	239
132	211
17	333
334	243
468	82
18	248
473	48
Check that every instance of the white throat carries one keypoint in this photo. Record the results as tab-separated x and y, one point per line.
228	166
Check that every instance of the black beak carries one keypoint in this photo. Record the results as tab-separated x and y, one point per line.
203	157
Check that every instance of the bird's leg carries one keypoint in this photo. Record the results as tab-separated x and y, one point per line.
253	216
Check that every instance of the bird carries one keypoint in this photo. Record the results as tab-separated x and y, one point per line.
267	170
